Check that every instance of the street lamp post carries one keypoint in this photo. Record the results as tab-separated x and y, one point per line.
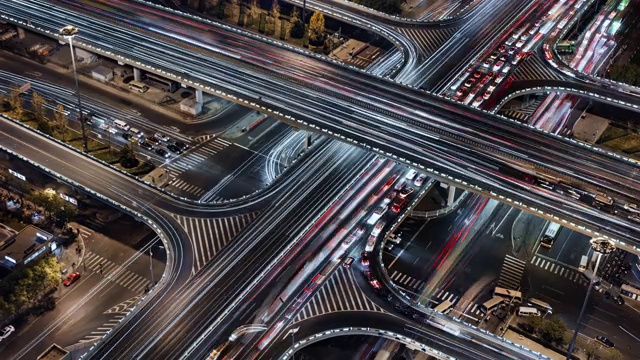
68	32
151	265
602	247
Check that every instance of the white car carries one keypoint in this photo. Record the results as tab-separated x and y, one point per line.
411	174
631	207
379	226
477	102
420	180
399	185
161	137
376	215
389	198
6	331
500	78
520	43
487	95
498	65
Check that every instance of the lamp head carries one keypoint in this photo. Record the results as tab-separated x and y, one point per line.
68	31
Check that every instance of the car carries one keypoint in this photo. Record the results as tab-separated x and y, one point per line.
379	226
500	78
510	41
364	258
520	43
395	239
538	23
161	137
368	274
512	50
533	30
146	145
126	136
377	214
400	185
604	341
389	198
371	243
375	283
73	277
485	80
360	230
487	63
631	207
491	87
398	205
405	192
411	174
136	112
174	148
634	217
494	55
389	246
618	299
487	95
181	145
469	82
502	48
152	140
162	152
524	36
460	92
420	180
347	262
6	331
503	57
477	74
477	101
136	133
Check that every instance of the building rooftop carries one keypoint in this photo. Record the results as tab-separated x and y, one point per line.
18	247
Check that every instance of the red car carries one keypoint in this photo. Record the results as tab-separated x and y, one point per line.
71	278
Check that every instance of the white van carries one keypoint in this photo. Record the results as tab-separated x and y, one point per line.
583	263
528	311
121	124
138	86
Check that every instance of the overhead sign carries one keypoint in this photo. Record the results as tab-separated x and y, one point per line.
69	199
18	175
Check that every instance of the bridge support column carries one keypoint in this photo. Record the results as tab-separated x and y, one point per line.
452	193
137	74
199	96
307	141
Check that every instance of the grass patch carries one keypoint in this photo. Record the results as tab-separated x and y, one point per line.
612	132
104	155
142	169
628	143
92	144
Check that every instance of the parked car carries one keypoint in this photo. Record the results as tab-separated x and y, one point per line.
73	277
604	341
6	331
618	299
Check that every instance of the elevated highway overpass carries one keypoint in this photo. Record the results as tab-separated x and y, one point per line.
447	140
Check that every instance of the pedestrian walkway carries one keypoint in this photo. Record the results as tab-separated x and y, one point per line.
428	40
340	292
406	282
116	273
511	273
559	269
210	235
120	311
534	68
190	160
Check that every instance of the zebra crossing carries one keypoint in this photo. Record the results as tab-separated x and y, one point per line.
120	312
362	61
190	160
406	282
511	272
340	292
534	68
524	113
560	270
428	40
115	273
210	235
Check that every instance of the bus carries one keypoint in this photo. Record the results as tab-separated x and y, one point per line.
550	235
630	292
508	294
444	307
540	305
162	83
566	47
491	304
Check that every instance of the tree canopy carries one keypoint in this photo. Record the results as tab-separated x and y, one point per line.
316	27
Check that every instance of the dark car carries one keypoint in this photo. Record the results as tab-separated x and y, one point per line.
174	148
181	145
126	136
618	299
151	140
604	341
146	145
162	152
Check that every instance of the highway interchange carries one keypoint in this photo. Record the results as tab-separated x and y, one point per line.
408	124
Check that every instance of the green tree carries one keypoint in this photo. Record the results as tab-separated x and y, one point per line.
613	354
45	127
15	100
316	28
536	323
297	28
254	12
60	116
591	349
274	18
554	329
38	103
127	153
6	308
65	213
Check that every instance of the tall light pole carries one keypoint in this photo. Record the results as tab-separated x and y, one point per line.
68	32
151	265
602	247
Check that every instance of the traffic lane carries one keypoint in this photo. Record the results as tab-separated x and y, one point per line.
430	336
619	324
227	278
568	248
